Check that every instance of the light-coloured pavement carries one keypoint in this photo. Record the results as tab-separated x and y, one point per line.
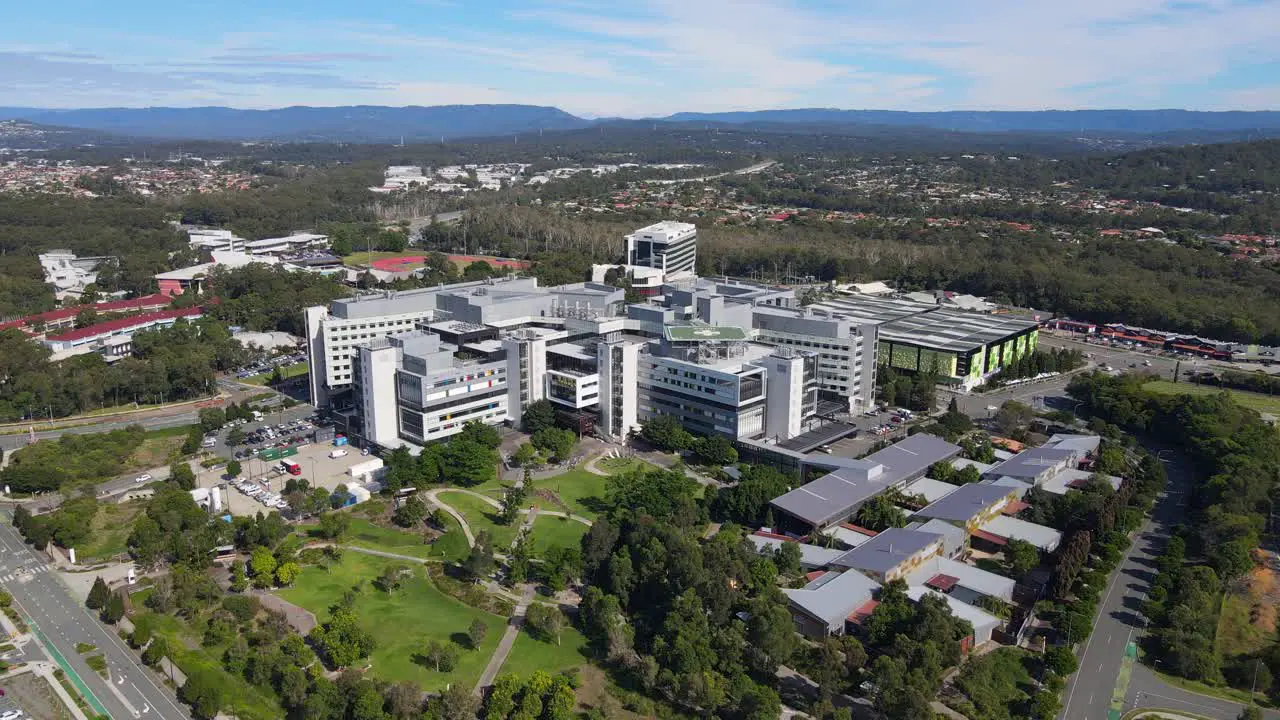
60	621
508	640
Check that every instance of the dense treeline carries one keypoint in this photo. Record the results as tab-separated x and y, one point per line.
701	626
262	297
129	228
167	364
1237	460
72	459
313	196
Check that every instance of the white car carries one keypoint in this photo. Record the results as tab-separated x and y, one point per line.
144	478
10	715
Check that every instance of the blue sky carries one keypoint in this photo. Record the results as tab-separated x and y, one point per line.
640	58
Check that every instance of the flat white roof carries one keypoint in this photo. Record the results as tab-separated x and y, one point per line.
931	489
1060	484
974	578
852	538
1042	536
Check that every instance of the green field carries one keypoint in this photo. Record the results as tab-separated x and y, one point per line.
549	531
1237	634
1252	400
286	372
482	516
403	622
110	530
581	490
530	654
244	700
364	258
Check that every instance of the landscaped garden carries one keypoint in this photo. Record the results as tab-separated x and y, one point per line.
403	622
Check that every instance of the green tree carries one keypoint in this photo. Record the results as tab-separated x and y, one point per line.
235	436
545	621
287	573
114	610
181	476
665	433
155	652
234	469
457	702
99	594
557	442
1021	557
714	450
476	632
443	656
410	513
204	692
537	416
211	419
1060	660
333	525
262	566
524	455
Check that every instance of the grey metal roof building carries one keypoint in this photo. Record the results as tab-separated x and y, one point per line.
837	495
954	330
954	539
811	556
887	551
965	504
831	598
1035	465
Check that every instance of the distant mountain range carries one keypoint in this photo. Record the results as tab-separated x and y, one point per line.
1053	121
372	123
356	123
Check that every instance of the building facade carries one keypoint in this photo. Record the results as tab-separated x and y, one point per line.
671	247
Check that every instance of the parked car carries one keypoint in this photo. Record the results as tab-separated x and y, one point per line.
144	478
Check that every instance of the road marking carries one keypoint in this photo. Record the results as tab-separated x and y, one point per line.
1179	700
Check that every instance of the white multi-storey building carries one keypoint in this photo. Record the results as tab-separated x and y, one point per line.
671	247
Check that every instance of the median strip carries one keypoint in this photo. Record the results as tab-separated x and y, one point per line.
76	680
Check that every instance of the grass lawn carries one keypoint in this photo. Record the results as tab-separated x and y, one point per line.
1224	692
364	258
244	700
1237	634
365	534
581	490
286	372
1252	400
481	516
530	654
110	530
402	622
549	532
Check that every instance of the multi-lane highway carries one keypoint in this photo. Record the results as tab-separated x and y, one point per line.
61	621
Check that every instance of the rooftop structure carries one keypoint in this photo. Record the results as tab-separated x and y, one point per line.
811	556
968	504
892	554
837	495
822	607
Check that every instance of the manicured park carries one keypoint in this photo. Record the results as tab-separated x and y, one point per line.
403	622
1255	401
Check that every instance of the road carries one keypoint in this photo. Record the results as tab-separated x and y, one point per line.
1119	623
751	169
158	474
47	604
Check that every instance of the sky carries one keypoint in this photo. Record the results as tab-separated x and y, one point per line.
645	58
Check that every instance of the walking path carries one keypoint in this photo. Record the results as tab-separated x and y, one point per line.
501	652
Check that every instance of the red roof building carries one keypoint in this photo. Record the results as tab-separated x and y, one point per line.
66	317
123	326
